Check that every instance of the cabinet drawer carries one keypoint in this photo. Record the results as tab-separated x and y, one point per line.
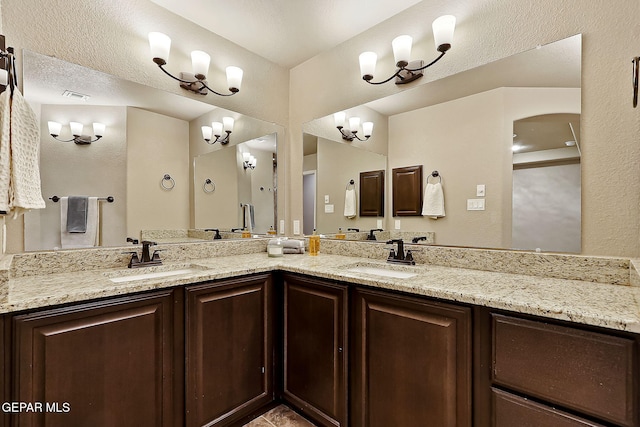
512	410
590	372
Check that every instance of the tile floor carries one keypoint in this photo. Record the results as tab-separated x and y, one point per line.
280	416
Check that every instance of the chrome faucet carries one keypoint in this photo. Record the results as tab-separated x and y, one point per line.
400	257
146	259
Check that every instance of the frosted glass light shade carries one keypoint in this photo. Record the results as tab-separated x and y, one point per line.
98	129
402	50
246	156
160	45
234	78
339	118
354	124
228	124
54	128
368	64
76	128
252	161
216	128
367	128
200	63
443	28
207	132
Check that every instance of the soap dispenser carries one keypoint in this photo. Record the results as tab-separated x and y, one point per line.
340	234
314	244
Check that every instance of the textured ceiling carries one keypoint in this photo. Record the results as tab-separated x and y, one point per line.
287	32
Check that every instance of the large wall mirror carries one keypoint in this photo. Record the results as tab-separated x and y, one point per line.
147	160
467	127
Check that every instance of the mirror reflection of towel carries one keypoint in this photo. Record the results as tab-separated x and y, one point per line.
77	214
433	201
350	203
248	217
88	239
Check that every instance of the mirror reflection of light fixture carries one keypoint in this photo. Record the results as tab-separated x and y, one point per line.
76	131
354	124
249	161
409	71
216	130
160	45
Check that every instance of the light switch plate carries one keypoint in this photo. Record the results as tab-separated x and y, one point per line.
379	224
282	226
326	198
475	204
397	224
480	190
328	208
296	227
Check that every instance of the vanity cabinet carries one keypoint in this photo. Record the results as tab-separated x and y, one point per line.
548	374
115	362
411	362
229	350
315	348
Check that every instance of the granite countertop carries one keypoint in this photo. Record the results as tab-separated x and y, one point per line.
598	304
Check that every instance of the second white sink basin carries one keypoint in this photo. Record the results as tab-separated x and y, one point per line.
396	272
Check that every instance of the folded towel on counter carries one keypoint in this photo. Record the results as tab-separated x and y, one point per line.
350	203
433	201
77	207
293	250
90	237
290	246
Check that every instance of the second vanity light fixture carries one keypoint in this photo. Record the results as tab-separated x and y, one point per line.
354	125
248	161
160	45
216	130
407	71
76	131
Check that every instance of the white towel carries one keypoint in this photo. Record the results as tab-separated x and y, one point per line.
88	239
433	201
350	203
19	155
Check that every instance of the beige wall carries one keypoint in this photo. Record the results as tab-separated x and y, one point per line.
218	209
156	145
468	141
493	29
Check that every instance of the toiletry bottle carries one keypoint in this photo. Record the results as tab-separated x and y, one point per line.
245	233
340	234
275	248
314	243
271	231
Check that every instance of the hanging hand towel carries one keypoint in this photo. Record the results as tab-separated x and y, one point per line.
20	151
89	238
248	217
433	202
350	203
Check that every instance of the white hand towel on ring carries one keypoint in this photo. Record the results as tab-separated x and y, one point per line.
350	203
433	201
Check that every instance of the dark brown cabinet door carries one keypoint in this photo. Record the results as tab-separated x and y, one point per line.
229	350
407	191
372	193
411	362
315	353
109	363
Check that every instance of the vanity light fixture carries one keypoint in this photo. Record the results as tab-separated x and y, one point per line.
76	131
409	71
249	161
216	130
354	124
160	45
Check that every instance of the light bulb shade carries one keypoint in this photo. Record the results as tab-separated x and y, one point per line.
368	65
234	78
339	118
443	28
207	132
216	128
160	45
367	128
200	62
354	124
402	50
4	77
98	129
76	128
252	161
246	156
54	128
228	124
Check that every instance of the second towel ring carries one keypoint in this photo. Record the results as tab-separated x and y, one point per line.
208	186
434	174
172	182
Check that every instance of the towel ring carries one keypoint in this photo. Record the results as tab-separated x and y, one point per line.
208	186
435	174
172	182
351	182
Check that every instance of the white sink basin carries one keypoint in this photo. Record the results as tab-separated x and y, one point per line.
153	273
383	271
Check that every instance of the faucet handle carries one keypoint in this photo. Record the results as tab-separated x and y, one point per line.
148	242
156	255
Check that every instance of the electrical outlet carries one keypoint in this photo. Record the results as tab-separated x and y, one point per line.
282	226
379	224
326	198
296	227
397	224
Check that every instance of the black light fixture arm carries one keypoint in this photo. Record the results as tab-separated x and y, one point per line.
78	139
352	135
161	63
403	67
223	141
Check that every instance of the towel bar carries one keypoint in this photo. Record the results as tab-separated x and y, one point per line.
109	199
